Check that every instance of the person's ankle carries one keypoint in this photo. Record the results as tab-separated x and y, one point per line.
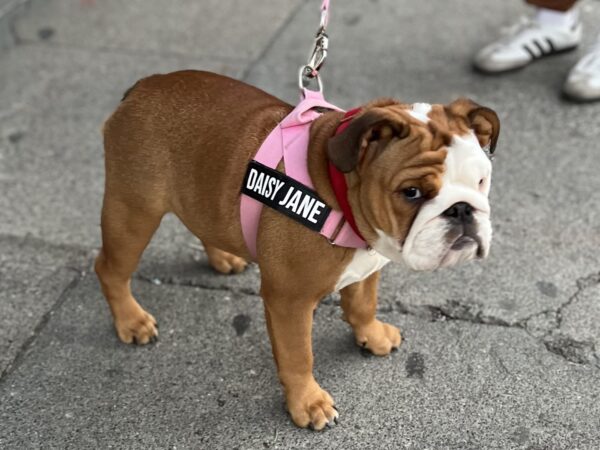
553	18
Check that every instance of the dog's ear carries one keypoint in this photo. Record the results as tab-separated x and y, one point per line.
483	121
376	125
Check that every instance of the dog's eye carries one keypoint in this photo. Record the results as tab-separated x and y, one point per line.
412	193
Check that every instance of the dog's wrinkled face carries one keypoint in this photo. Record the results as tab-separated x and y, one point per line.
419	178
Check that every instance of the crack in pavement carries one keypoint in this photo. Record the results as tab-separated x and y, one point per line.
452	310
582	284
572	350
580	352
30	341
173	281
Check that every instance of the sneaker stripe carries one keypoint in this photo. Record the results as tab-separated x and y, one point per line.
540	48
531	53
551	45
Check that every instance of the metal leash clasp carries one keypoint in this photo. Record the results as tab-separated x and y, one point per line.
310	70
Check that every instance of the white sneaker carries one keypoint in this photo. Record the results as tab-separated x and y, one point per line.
525	42
583	82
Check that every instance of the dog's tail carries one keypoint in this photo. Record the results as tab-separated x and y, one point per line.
129	90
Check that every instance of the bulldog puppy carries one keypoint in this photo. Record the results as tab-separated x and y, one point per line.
418	181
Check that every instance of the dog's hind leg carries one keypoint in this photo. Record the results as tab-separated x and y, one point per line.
224	262
126	231
359	302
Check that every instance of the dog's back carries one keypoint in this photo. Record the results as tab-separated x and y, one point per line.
173	145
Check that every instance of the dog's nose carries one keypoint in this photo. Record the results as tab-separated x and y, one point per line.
461	212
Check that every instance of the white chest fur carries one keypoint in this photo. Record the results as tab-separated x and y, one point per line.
363	264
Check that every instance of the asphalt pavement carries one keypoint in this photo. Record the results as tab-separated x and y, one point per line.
501	354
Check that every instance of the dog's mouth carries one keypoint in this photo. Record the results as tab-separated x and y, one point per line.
462	242
468	240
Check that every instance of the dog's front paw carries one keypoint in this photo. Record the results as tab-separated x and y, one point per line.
312	407
378	337
136	326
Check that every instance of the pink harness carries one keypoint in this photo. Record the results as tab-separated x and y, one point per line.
289	141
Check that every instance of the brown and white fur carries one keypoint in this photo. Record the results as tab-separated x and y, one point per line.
181	143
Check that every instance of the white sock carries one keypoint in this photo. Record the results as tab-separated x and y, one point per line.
553	18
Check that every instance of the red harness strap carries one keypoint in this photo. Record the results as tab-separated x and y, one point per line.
338	180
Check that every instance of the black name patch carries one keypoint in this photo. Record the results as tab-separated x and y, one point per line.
285	195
